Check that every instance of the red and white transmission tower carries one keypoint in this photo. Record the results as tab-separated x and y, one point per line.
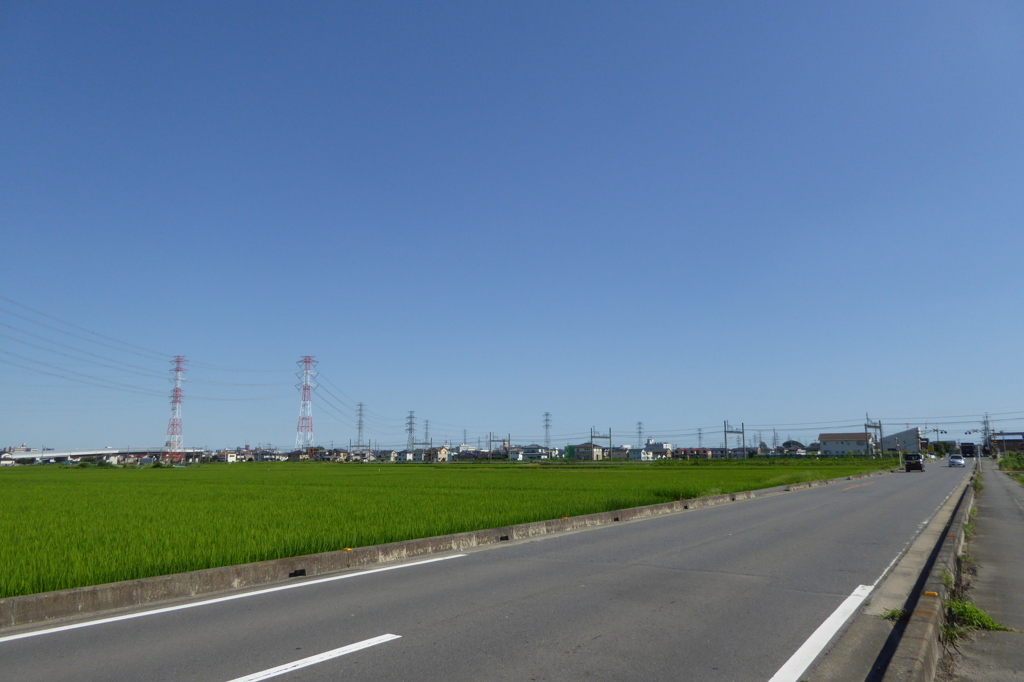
304	432
173	451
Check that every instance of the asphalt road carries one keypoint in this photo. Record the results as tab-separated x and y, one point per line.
722	593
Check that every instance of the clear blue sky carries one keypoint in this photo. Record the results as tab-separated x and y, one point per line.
675	213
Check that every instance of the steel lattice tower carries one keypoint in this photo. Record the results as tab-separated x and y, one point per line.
304	431
410	428
359	425
547	430
173	451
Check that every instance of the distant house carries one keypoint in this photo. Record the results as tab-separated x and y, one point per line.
847	443
528	453
435	454
691	453
590	452
658	450
641	455
620	452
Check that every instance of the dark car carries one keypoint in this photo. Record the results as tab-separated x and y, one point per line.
914	462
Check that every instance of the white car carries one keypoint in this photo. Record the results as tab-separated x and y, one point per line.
956	460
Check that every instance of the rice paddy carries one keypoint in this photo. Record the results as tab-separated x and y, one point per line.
71	527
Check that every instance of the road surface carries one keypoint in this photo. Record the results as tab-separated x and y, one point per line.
721	593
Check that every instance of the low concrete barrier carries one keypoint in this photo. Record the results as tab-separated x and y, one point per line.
46	606
916	658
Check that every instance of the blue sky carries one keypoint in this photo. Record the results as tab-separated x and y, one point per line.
670	213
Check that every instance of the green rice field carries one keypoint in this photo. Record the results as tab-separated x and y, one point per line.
70	527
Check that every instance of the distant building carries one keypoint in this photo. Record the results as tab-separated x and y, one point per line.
622	452
435	454
658	450
691	453
904	441
528	453
589	452
847	443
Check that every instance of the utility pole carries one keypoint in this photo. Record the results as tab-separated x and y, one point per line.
873	426
726	430
987	435
594	436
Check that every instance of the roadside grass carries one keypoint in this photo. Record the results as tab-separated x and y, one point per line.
977	483
71	527
894	615
962	616
1013	462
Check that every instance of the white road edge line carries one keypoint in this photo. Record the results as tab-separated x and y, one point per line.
217	600
313	660
805	655
819	639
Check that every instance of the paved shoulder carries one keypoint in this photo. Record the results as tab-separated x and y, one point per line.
998	588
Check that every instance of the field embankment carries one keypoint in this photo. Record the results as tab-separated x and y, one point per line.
69	527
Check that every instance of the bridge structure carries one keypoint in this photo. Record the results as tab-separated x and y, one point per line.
120	454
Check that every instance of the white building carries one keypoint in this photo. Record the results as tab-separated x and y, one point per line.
589	451
905	441
847	443
658	450
641	455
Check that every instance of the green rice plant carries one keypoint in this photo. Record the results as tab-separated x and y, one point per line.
71	527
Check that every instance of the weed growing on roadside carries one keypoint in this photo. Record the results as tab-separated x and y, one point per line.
962	616
947	580
895	615
977	483
967	565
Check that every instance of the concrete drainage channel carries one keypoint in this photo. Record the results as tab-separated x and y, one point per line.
49	606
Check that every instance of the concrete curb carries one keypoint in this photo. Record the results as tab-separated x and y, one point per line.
916	658
47	606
